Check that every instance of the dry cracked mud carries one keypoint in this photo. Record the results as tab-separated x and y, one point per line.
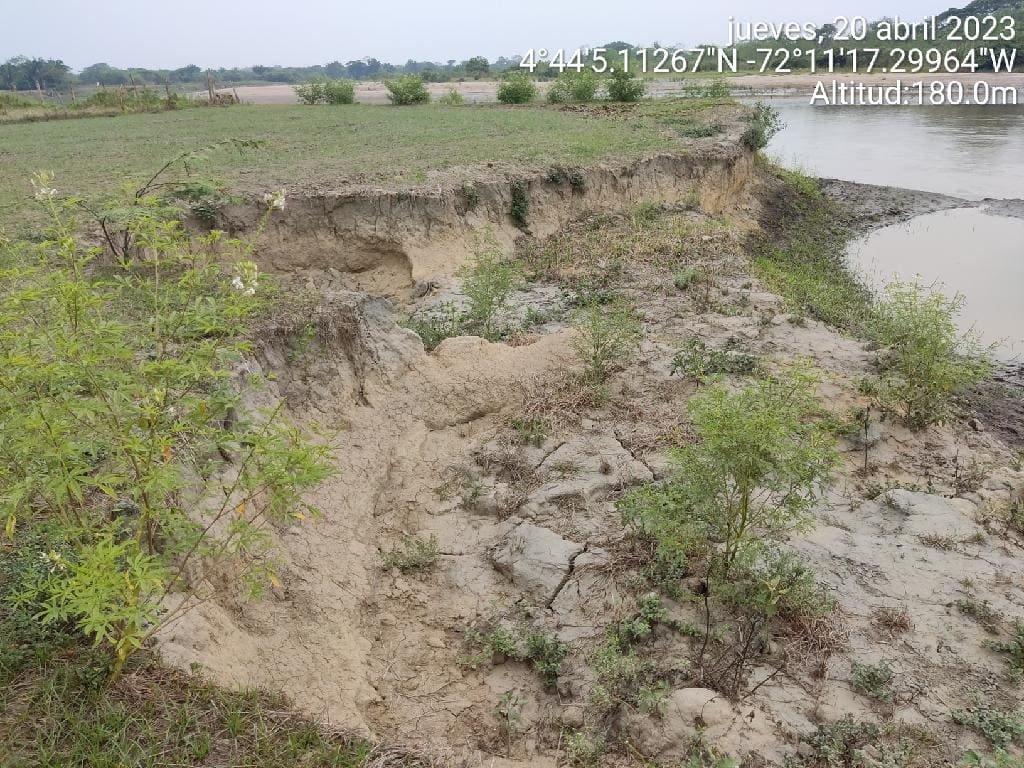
431	446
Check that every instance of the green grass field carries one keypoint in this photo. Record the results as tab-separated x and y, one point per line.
325	147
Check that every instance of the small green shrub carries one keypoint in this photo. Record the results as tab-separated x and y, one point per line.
1002	729
547	653
517	88
606	336
700	362
407	89
487	282
644	212
520	208
583	748
415	553
982	612
452	99
763	122
872	680
842	744
13	101
685	277
701	130
575	178
578	87
716	89
751	478
1013	648
999	759
444	322
324	91
122	420
930	359
339	91
622	86
779	584
311	91
531	431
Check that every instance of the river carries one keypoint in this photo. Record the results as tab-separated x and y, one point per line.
974	153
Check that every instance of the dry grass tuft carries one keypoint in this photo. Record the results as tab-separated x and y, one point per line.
892	620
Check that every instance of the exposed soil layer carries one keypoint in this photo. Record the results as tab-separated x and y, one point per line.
502	456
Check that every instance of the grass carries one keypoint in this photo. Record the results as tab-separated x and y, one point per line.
59	709
304	145
61	714
800	255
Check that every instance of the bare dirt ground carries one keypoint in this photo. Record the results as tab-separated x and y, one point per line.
485	91
500	454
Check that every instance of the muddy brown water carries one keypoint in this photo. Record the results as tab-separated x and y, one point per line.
973	153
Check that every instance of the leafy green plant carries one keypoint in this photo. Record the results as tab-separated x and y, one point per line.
872	680
517	88
930	359
622	86
644	212
311	91
583	748
547	653
452	99
520	208
749	481
685	277
487	282
444	322
700	362
753	475
510	710
407	89
121	425
763	122
530	431
714	89
416	553
999	759
1001	728
339	91
701	130
841	744
606	336
570	86
543	650
1013	648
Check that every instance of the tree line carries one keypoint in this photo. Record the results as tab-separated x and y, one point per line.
23	74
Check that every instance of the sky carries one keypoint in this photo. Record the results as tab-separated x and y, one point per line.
214	33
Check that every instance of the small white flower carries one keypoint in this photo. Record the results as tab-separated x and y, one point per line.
247	279
41	189
275	199
53	560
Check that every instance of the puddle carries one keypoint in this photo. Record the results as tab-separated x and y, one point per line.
966	250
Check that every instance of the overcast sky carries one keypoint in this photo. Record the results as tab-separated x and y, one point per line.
214	33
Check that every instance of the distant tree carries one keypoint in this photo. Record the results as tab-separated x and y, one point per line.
188	74
358	69
104	74
41	74
476	67
335	69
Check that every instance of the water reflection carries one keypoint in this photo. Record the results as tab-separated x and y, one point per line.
970	152
967	250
